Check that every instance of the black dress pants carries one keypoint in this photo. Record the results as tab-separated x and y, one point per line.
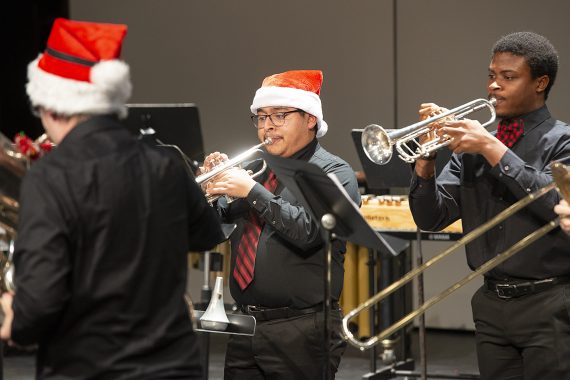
523	338
287	348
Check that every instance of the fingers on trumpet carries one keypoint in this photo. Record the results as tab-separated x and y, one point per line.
212	160
430	110
235	182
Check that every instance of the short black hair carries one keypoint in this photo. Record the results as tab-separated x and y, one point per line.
539	53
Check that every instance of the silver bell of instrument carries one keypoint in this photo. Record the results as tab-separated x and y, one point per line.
215	317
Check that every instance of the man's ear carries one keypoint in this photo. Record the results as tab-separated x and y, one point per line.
312	121
541	83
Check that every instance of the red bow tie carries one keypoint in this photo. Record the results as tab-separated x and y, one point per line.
509	131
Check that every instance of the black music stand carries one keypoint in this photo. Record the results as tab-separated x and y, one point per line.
169	124
328	202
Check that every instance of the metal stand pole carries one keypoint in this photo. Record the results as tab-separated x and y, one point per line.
328	222
204	338
373	310
421	321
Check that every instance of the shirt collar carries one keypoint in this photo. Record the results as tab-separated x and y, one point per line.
85	128
307	151
534	118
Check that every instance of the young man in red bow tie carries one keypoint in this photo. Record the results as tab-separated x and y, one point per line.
277	250
521	315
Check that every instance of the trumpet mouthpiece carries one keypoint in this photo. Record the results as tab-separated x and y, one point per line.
268	141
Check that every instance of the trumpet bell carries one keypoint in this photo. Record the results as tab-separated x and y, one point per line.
215	317
377	144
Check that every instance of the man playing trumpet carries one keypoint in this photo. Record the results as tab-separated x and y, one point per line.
521	313
277	251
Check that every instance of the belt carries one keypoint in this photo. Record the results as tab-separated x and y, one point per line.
507	289
267	314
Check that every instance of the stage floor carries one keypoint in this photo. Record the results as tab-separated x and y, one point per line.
448	352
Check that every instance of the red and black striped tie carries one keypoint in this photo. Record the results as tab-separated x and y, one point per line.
245	259
508	131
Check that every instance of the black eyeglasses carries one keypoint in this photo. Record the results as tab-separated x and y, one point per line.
277	119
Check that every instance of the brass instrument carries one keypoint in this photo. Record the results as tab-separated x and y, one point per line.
561	175
204	179
13	166
378	143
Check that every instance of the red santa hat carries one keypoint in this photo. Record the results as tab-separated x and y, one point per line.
296	88
79	72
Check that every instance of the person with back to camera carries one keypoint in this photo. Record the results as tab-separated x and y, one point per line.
522	312
105	226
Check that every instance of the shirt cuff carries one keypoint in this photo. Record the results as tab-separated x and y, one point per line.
509	166
421	186
259	197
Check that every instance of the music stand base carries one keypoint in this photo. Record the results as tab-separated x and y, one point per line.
405	369
389	372
239	324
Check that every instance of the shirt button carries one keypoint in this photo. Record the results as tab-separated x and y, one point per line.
507	168
273	222
500	227
254	202
528	190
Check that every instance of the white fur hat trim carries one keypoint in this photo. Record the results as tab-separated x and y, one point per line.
108	91
273	96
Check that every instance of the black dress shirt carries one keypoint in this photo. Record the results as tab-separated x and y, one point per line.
290	253
470	189
101	258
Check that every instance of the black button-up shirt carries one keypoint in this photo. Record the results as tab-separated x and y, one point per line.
290	253
106	223
470	189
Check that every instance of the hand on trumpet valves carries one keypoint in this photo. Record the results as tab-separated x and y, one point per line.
428	110
235	182
212	160
469	136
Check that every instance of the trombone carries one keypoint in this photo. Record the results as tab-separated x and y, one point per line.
378	142
561	175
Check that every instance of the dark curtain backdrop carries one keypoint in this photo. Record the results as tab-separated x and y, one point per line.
25	29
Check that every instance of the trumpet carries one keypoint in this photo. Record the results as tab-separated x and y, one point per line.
561	175
378	142
205	178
